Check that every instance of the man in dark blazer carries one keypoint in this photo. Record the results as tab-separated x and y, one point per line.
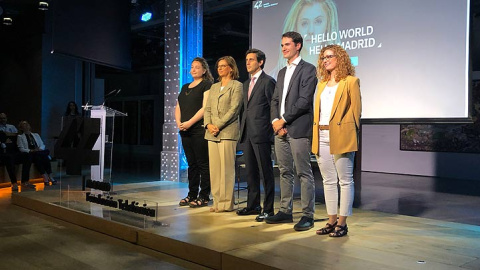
292	118
257	136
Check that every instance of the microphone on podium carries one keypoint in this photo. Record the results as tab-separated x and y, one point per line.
110	94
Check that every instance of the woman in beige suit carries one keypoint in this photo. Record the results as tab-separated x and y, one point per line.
336	123
221	122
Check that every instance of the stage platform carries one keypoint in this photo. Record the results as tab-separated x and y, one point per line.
376	240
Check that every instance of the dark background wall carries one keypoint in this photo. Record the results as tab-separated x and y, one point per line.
20	69
36	85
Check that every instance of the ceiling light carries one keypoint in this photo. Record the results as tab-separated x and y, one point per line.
146	16
43	6
7	21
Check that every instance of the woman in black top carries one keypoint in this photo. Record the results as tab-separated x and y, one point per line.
189	118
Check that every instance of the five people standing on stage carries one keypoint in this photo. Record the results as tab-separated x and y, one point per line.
222	125
189	118
335	114
257	136
292	117
336	126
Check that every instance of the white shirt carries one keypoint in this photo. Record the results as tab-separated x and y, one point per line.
22	142
286	82
326	104
8	128
257	75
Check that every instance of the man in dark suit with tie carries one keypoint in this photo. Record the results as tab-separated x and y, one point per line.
292	119
257	136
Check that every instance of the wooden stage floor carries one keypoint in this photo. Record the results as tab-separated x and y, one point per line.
226	241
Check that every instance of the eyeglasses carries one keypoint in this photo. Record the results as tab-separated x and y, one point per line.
327	57
222	66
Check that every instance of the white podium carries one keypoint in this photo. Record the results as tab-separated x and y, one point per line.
103	113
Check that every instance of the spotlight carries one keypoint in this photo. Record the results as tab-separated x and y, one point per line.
7	21
146	16
43	6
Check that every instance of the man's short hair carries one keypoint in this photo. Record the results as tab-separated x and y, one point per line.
296	37
260	56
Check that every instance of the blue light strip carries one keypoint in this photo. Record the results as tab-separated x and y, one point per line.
191	46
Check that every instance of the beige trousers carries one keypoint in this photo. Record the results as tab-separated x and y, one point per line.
222	173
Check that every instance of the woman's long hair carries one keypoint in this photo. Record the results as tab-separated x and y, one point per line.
207	76
344	66
67	111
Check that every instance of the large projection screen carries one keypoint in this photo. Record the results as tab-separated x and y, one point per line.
412	56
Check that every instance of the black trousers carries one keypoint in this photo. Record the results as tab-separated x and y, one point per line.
11	159
41	161
258	164
196	151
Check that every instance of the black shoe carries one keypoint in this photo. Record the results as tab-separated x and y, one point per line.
262	216
54	182
186	201
305	223
28	185
245	211
280	217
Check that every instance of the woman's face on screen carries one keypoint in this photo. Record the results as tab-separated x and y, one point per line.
312	20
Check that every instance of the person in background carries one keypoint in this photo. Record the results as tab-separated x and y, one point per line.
31	143
10	156
71	112
336	125
222	132
6	128
189	118
72	109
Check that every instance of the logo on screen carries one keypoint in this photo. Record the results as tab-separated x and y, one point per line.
260	4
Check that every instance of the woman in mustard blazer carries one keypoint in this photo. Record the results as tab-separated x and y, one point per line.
223	130
336	123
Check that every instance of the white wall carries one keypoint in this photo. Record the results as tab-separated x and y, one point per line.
381	153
